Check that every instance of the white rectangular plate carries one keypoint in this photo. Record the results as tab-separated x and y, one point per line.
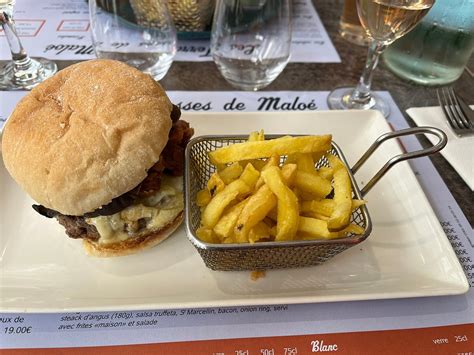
407	254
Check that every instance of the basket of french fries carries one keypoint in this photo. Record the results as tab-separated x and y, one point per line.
269	202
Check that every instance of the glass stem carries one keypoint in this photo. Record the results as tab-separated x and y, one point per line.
21	60
361	93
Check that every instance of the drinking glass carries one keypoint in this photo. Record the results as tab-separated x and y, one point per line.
250	41
140	33
384	21
23	72
438	48
350	27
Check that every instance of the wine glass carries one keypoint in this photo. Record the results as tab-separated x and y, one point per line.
139	33
23	72
383	21
250	41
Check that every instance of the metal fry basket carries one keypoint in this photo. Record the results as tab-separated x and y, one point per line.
288	254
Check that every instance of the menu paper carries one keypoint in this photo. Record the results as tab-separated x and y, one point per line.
60	30
443	324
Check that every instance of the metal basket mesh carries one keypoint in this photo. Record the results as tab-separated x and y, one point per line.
264	255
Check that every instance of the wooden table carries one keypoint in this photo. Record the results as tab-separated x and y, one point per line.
313	77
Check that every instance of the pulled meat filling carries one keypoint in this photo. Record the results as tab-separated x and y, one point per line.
171	162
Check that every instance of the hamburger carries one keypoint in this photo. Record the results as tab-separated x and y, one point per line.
100	147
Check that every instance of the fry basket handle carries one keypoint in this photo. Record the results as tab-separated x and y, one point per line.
443	139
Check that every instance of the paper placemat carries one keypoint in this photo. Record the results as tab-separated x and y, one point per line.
56	330
60	29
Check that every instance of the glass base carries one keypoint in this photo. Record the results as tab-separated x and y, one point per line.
340	99
26	75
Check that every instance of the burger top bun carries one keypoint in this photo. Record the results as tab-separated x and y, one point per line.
86	135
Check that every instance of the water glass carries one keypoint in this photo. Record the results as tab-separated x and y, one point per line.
438	49
250	41
140	33
22	72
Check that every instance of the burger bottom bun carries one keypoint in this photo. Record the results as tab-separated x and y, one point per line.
133	245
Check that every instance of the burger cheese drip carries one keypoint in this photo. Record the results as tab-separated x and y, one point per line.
146	214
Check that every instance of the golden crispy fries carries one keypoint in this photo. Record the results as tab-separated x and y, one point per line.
288	210
203	197
258	232
313	228
313	184
221	200
324	207
258	163
273	215
265	149
357	203
257	207
250	175
342	195
274	160
253	198
256	136
215	184
231	173
305	162
326	172
206	235
224	228
314	215
260	205
288	173
351	228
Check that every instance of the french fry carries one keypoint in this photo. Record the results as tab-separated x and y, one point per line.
288	173
250	175
203	197
256	136
326	206
231	173
265	149
305	162
258	232
259	205
323	207
351	228
312	228
287	208
342	195
221	200
312	183
215	184
274	160
225	226
257	163
357	203
314	215
206	235
326	172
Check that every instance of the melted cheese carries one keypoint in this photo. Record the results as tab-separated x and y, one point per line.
155	212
